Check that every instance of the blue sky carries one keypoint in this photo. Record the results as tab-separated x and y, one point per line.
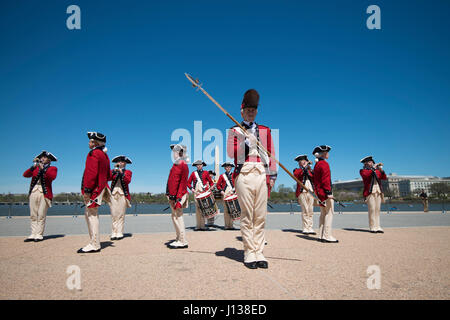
323	77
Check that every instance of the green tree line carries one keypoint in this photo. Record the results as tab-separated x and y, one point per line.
280	194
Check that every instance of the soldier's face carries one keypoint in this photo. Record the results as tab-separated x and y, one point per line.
370	164
199	166
249	114
91	144
303	163
227	168
122	164
325	155
45	160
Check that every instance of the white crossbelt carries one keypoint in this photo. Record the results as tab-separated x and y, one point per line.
198	179
227	181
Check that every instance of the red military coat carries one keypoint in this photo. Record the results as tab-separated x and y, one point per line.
177	183
206	178
299	173
124	179
96	174
369	179
222	183
322	179
238	150
48	175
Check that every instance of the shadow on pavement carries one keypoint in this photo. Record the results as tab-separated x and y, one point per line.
207	229
54	236
106	244
232	253
353	229
306	237
292	230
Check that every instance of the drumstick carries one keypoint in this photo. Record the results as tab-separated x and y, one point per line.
196	84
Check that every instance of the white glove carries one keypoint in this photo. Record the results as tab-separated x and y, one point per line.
250	140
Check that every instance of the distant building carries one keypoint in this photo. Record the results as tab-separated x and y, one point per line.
396	185
412	186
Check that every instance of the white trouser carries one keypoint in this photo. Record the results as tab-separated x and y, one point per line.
325	220
251	189
306	201
198	212
38	210
226	213
118	205
374	205
178	222
91	215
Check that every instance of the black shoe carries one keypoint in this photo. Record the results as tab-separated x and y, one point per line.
373	231
28	240
328	241
380	231
113	238
81	251
312	233
251	265
262	264
181	247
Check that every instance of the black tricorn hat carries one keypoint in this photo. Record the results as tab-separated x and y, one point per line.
251	99
199	162
367	159
178	147
302	157
320	149
47	154
212	172
97	136
225	164
122	158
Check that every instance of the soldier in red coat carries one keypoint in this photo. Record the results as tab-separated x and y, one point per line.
176	192
255	172
305	199
40	192
120	199
199	182
94	187
322	185
225	185
210	221
372	175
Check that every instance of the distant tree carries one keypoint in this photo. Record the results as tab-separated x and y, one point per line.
441	190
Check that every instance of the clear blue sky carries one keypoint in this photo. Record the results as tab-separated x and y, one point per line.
323	77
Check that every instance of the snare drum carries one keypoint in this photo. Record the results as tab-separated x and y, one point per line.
207	205
233	207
